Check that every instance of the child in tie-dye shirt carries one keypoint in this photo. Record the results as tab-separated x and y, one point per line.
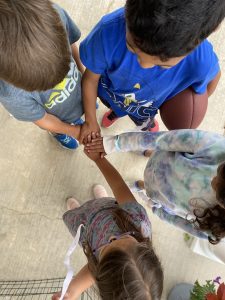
182	180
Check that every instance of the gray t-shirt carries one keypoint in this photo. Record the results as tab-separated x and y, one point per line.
64	100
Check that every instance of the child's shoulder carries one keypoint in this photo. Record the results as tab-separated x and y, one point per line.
111	24
115	17
10	91
203	57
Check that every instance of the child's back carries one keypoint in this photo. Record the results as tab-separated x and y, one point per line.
116	238
40	81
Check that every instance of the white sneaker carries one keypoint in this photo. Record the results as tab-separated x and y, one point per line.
72	203
99	191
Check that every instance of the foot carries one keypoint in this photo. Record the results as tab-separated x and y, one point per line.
109	118
154	126
66	141
99	191
72	203
136	186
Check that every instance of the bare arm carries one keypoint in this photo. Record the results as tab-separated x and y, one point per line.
213	84
118	186
51	123
89	92
75	53
82	281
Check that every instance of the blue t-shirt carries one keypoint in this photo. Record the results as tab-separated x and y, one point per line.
131	89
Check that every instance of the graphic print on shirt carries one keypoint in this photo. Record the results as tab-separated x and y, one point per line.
64	89
128	102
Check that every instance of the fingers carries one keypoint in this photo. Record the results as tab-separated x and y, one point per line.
103	154
95	149
96	141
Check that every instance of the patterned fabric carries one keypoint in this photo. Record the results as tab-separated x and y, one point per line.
179	172
98	221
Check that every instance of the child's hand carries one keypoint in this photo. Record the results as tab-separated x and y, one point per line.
95	144
86	130
95	156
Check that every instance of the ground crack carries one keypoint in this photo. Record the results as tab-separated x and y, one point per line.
20	213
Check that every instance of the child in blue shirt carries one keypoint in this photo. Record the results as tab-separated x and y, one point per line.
141	56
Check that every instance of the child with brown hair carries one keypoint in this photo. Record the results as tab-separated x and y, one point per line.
116	239
40	69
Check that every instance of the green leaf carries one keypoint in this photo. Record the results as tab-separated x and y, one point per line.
199	292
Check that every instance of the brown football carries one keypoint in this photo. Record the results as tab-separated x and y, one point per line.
185	110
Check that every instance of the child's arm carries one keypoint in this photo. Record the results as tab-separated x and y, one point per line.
118	186
82	281
130	141
89	92
183	140
179	222
75	53
52	123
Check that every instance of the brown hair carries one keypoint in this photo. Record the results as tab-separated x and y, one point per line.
34	49
121	275
213	219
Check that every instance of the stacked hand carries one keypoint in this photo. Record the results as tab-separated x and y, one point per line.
94	147
86	130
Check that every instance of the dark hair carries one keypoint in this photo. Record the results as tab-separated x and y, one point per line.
213	219
121	275
172	28
34	49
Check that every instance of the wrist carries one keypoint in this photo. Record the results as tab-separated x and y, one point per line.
91	121
75	131
100	161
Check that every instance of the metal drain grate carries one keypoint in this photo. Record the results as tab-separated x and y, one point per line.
37	290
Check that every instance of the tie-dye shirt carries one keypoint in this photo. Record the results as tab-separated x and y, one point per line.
179	172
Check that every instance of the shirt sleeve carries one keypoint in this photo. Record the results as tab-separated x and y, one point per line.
25	110
189	141
179	222
131	141
72	30
92	52
209	67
